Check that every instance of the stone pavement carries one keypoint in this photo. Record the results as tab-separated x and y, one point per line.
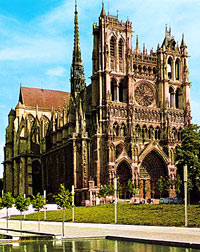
180	235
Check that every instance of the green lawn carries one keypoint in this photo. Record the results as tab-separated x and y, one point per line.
158	215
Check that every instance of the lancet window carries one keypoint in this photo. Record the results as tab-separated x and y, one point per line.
169	68
113	89
120	48
177	67
112	47
178	98
171	97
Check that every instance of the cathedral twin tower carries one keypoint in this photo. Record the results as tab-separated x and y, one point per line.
125	124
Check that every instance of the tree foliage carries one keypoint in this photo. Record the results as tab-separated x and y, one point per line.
188	153
8	200
63	198
106	190
38	202
177	182
160	185
132	188
22	203
1	203
167	183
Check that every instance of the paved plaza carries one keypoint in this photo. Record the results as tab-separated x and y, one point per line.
180	235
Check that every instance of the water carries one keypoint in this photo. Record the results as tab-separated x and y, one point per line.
89	246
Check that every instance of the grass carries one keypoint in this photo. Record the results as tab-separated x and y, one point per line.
156	215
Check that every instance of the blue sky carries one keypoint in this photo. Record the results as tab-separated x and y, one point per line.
36	41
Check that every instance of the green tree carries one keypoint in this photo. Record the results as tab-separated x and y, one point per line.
167	183
177	182
38	203
106	190
188	153
160	185
22	205
130	186
7	202
103	191
64	200
111	190
132	189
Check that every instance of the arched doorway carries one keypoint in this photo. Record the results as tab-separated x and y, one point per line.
152	168
124	174
36	177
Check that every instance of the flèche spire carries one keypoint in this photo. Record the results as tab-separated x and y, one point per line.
77	70
77	50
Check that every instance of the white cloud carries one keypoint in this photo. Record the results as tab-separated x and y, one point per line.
57	71
60	15
41	49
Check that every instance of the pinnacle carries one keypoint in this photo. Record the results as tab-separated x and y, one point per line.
103	13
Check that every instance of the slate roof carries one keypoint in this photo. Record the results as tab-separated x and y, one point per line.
44	98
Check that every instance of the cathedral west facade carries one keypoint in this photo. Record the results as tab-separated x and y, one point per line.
125	124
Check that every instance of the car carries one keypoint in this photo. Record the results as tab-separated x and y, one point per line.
176	201
167	200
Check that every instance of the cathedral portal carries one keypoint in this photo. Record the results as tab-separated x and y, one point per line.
124	174
152	168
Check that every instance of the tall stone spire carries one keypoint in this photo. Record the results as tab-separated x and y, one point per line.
77	70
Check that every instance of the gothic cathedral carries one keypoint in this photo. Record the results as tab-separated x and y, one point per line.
125	124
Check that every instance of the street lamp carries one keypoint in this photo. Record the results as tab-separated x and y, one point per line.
115	188
185	192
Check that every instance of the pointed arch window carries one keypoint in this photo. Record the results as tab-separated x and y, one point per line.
150	132
177	69
113	87
178	98
157	133
112	47
120	48
169	68
123	91
171	97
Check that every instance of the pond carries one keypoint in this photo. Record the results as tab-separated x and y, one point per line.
93	245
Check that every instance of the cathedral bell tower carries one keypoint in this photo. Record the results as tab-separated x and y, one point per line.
174	75
111	86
